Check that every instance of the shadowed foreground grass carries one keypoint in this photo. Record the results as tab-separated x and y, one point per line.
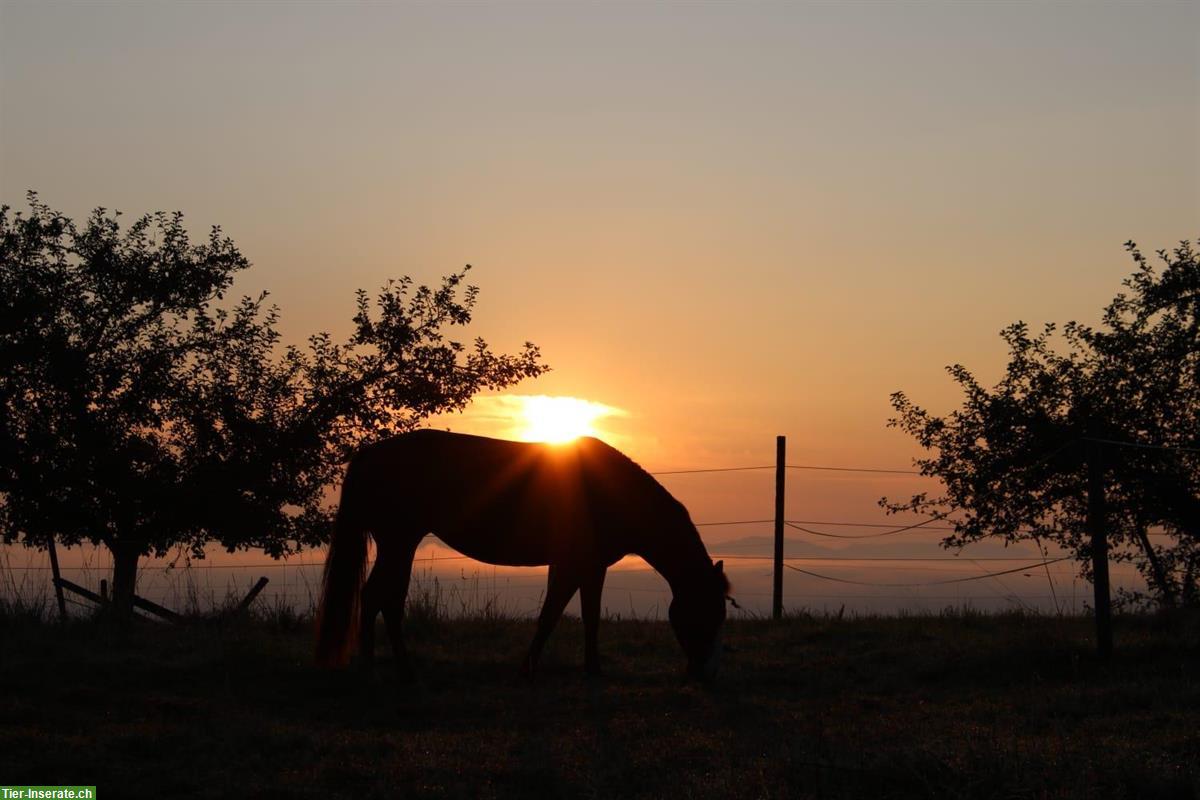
961	705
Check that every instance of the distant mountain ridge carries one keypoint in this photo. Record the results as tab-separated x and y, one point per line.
797	547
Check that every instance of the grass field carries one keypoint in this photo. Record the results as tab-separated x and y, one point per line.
959	705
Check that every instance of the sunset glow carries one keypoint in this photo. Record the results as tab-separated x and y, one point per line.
559	419
720	223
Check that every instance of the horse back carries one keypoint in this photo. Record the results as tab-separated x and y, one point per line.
506	502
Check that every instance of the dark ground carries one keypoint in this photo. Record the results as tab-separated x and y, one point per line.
954	706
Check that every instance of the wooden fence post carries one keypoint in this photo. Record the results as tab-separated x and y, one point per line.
1096	529
249	598
62	601
780	459
138	602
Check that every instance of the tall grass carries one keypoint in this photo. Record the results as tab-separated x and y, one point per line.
22	598
433	601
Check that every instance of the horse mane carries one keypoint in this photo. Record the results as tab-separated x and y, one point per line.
649	482
650	488
645	480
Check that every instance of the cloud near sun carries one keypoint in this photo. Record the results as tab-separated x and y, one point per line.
538	418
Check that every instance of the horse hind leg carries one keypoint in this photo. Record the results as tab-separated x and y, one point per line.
561	584
393	617
369	607
386	592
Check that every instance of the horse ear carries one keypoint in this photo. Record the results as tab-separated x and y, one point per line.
719	566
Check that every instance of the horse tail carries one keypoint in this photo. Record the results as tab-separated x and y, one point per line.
345	571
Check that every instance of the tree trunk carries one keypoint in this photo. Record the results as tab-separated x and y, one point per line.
1096	526
1166	595
125	564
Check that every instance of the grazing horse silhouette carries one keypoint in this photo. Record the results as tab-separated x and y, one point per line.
578	507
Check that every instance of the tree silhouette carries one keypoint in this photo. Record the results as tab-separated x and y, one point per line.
1123	398
141	413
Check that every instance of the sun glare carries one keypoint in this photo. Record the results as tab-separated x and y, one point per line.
559	419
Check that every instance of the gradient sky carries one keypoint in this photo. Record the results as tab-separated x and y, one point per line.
729	221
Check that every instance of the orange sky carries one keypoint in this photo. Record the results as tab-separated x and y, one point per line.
732	222
728	221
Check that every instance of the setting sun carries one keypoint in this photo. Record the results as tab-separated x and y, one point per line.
559	419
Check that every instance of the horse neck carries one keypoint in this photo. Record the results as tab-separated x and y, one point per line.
678	555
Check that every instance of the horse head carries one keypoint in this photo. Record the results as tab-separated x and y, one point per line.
696	616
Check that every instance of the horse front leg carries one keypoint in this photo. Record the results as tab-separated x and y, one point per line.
561	584
589	600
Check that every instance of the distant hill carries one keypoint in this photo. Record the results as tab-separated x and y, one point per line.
887	547
797	547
